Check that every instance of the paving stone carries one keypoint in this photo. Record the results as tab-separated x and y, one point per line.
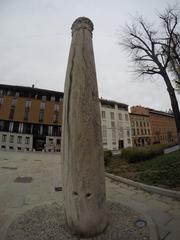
161	217
42	190
31	199
174	225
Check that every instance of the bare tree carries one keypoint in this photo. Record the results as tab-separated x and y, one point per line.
151	51
169	19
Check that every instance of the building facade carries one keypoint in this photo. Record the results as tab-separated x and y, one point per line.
162	125
30	118
115	122
141	129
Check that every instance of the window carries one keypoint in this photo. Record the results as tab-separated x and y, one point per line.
126	117
14	101
41	130
11	139
140	124
41	115
26	114
11	114
20	129
1	92
58	141
42	105
28	104
121	134
133	131
19	139
27	140
43	98
137	124
52	98
4	138
132	123
128	133
17	94
120	116
104	132
137	131
1	125
55	118
113	124
11	125
50	130
56	107
129	140
50	140
1	100
113	134
103	114
112	115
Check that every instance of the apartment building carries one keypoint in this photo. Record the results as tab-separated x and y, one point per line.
141	129
115	122
162	125
30	118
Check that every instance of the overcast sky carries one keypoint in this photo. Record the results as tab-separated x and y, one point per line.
35	37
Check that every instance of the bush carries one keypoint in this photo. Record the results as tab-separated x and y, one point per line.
107	157
138	154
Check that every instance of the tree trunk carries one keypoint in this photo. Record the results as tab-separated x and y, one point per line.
82	152
174	103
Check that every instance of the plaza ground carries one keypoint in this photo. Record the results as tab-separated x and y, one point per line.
30	179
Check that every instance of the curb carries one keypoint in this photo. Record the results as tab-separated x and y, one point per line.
147	188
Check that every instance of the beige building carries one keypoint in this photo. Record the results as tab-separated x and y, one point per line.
115	122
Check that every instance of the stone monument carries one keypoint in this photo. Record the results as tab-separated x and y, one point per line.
82	152
83	165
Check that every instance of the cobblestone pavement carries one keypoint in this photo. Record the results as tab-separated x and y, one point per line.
29	179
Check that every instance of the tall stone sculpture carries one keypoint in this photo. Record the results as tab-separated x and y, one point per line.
82	153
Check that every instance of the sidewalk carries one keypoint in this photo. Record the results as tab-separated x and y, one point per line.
44	174
164	211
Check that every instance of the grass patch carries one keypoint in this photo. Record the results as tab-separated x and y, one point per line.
163	171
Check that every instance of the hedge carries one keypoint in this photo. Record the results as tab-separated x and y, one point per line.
138	154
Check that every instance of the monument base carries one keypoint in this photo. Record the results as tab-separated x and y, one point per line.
47	222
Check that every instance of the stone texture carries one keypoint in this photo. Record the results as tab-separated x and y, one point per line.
47	222
82	153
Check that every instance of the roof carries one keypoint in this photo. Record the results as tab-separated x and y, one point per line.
160	112
139	114
31	89
113	103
